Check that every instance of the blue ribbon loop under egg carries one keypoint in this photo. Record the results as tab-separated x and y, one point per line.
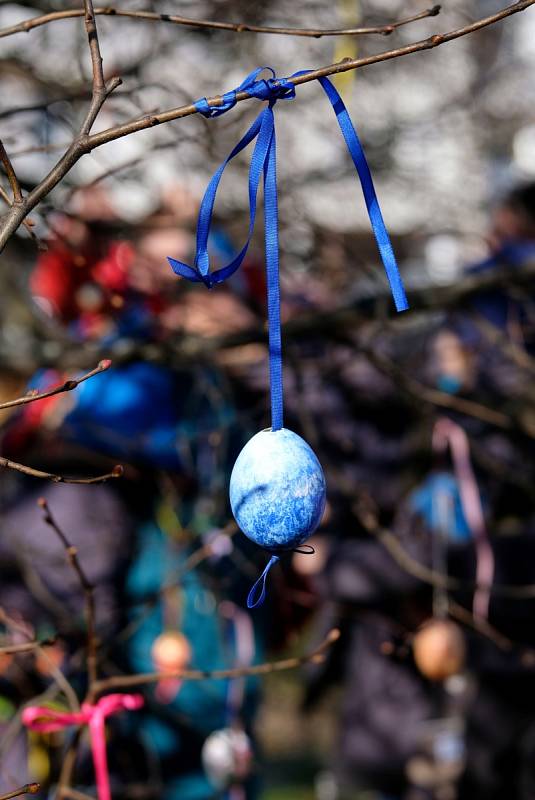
263	162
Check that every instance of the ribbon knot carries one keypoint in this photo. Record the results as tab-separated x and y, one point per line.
272	89
48	720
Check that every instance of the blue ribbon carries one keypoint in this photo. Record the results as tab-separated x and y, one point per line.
263	163
257	593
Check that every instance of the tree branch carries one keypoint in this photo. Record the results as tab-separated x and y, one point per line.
124	681
87	588
68	386
427	575
85	143
28	223
11	175
56	672
27	647
236	27
116	472
28	788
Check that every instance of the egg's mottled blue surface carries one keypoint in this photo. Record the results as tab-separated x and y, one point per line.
277	490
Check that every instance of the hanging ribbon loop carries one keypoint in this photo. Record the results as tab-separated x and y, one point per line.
257	594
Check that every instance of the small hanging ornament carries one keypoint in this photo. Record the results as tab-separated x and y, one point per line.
227	757
277	488
171	652
439	650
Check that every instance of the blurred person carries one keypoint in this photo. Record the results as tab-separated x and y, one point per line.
469	354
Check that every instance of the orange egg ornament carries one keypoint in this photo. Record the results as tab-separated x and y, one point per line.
171	652
439	649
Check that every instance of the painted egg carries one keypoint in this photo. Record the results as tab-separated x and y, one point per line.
227	757
439	650
171	651
277	490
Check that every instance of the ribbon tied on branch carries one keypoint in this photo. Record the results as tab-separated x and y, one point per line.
48	720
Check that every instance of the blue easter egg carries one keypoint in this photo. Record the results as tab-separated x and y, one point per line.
277	490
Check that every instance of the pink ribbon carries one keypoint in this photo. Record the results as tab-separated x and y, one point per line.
47	720
447	433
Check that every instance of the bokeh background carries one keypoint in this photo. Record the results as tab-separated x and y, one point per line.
449	134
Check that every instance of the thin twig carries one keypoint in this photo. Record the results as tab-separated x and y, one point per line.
423	573
28	788
124	681
28	223
236	27
99	89
87	588
85	143
68	764
27	647
436	397
440	580
116	472
345	65
68	386
11	174
481	626
57	674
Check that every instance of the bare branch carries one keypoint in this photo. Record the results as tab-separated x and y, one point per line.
28	788
99	91
116	472
67	767
423	573
27	647
85	143
68	386
345	65
236	27
436	397
28	223
481	626
87	588
55	671
11	175
94	46
123	681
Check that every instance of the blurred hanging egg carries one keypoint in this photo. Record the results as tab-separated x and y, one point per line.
439	649
171	651
277	490
227	757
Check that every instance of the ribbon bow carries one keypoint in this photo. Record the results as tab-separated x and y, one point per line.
48	720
